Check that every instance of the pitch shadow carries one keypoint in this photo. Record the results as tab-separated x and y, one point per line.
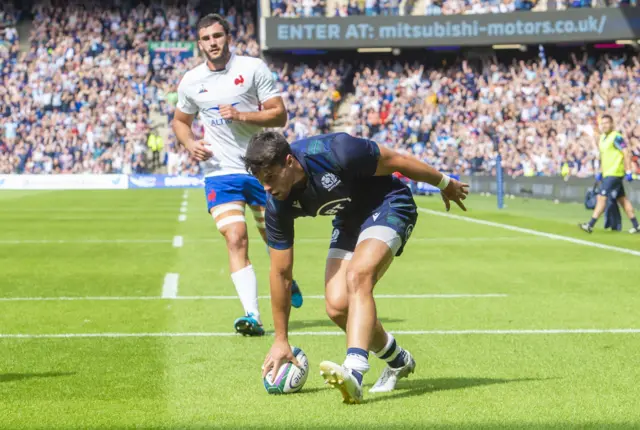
327	323
10	377
417	387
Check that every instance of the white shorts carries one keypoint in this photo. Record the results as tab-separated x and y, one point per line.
385	234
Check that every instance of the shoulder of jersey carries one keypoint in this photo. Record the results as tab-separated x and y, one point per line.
246	61
196	72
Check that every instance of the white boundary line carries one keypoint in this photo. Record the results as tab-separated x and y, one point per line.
215	240
85	241
533	232
322	333
176	297
183	209
182	217
178	241
170	286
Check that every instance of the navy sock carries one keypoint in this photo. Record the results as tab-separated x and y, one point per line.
399	361
593	222
634	221
358	362
395	356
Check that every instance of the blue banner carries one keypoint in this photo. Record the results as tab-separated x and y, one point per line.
165	181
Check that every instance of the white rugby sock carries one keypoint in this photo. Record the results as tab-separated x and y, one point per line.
247	288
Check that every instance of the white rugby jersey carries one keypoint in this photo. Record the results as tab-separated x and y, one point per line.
245	83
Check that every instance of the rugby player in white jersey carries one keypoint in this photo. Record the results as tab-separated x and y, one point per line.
235	97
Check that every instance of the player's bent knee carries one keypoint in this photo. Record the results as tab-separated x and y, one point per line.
236	237
360	280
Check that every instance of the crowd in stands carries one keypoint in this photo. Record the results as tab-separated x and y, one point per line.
343	8
82	97
78	100
540	113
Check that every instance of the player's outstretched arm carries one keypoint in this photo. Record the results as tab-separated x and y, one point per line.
390	162
273	114
182	128
281	278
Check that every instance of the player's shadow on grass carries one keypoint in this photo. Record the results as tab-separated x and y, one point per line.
417	387
9	377
305	324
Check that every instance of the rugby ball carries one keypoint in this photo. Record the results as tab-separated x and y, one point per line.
289	378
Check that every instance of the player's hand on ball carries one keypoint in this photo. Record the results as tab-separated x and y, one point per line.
198	150
279	354
229	112
455	191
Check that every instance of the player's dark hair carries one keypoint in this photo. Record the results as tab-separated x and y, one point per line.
607	116
266	149
211	19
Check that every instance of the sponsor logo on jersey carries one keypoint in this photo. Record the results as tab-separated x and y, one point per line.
333	207
329	181
217	108
239	80
407	234
211	196
202	89
315	147
334	235
220	121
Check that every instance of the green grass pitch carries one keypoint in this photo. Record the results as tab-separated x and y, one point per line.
484	359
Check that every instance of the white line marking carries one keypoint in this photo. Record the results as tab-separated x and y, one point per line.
87	241
176	297
302	240
182	217
170	286
324	333
178	241
185	194
533	232
183	209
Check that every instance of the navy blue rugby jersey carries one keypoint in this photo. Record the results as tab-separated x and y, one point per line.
340	172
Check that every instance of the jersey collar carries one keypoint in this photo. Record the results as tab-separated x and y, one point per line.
226	67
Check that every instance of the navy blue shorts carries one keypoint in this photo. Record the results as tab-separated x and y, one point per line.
392	222
234	188
612	187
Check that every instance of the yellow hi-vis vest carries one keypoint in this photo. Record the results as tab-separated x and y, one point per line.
155	143
611	158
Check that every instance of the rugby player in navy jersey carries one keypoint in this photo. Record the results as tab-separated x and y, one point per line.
352	179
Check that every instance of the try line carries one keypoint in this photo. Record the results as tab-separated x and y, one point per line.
532	232
325	333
